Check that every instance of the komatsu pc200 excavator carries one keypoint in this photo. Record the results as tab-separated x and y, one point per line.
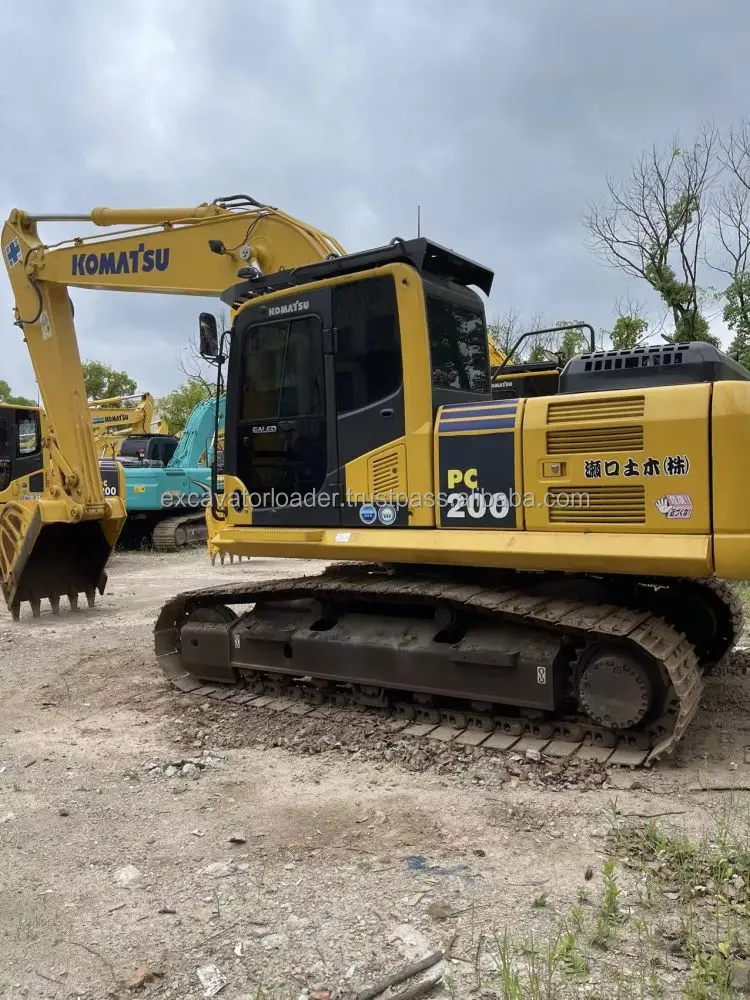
548	564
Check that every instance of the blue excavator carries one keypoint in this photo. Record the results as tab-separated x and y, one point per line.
166	501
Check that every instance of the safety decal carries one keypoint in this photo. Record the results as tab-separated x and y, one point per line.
675	505
387	514
670	465
368	513
13	253
45	327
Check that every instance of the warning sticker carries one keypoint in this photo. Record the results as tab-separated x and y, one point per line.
675	505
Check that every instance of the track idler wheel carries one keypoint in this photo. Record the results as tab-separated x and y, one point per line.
614	689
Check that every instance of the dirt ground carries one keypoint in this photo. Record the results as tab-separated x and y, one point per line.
146	837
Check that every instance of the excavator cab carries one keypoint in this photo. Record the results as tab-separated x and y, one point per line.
39	556
21	460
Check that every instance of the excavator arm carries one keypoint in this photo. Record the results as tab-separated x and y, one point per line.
61	542
118	416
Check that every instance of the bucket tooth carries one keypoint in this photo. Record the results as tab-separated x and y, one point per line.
15	611
55	604
36	607
231	557
222	556
91	597
73	601
213	558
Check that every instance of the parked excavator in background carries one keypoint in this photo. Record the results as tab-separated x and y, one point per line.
60	554
121	417
548	566
166	502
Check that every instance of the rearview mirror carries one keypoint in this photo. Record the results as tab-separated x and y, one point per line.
209	337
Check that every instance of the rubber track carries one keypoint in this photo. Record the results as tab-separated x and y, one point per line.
650	634
163	535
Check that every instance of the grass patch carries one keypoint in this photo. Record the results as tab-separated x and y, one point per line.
669	918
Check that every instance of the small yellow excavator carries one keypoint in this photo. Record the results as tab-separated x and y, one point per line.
118	417
536	565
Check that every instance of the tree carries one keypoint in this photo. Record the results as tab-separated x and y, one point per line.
732	217
177	405
103	382
652	226
627	332
737	317
504	332
6	396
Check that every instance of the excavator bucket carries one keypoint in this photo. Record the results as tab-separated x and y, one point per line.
41	560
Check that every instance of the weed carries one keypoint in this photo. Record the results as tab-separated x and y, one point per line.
608	915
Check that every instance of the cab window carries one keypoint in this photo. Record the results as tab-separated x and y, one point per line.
458	345
27	424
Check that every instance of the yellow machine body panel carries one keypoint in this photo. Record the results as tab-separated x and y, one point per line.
634	460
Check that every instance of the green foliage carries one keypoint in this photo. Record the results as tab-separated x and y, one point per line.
693	326
737	316
6	396
177	405
573	342
103	382
20	401
627	332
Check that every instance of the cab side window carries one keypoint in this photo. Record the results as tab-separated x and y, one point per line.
27	424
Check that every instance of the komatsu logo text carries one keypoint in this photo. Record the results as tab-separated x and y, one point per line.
290	307
124	262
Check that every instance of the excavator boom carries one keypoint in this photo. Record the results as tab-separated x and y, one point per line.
182	251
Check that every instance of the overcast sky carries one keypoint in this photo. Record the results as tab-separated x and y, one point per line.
501	118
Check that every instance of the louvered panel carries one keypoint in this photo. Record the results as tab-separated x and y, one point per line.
597	505
583	440
386	474
568	411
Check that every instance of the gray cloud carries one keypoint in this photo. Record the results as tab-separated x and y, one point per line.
501	120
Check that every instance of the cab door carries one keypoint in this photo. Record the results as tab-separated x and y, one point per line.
369	394
285	447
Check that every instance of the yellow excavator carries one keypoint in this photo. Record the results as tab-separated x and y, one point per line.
58	523
551	565
118	417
